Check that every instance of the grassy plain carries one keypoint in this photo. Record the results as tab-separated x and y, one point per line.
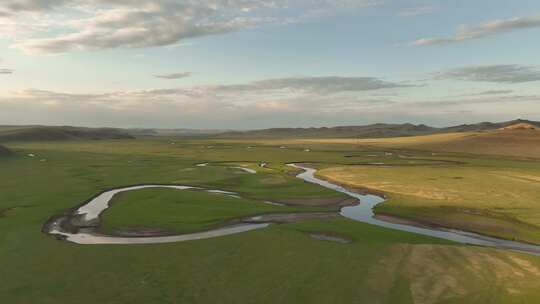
495	198
490	188
503	143
280	264
184	211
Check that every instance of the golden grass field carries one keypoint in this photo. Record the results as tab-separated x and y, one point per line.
494	193
511	143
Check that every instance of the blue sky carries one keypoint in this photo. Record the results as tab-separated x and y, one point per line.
256	63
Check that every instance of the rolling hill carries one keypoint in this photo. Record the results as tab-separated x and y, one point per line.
45	133
174	132
514	140
517	140
369	131
521	126
487	126
379	130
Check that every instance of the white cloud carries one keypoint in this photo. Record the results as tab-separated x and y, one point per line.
508	73
320	85
417	10
6	71
72	25
273	102
226	107
205	105
490	28
15	6
493	92
174	75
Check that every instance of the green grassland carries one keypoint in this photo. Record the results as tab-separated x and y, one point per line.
183	211
280	264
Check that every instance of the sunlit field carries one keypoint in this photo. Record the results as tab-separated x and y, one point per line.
279	263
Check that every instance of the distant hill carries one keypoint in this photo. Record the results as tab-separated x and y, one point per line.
487	126
515	140
519	140
379	130
44	133
370	131
174	132
521	126
4	151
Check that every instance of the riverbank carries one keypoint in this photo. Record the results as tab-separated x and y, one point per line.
486	197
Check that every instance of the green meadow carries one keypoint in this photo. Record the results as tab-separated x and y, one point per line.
279	264
184	211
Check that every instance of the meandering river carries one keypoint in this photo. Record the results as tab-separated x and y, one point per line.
88	218
363	212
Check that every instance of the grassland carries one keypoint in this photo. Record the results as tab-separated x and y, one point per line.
280	264
504	143
494	194
4	151
183	211
491	198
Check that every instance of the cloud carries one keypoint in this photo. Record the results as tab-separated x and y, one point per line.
509	99
303	101
15	6
263	101
157	25
479	103
416	11
326	85
285	89
52	27
6	71
490	28
222	107
174	75
493	92
510	73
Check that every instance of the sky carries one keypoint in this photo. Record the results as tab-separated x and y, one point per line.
251	64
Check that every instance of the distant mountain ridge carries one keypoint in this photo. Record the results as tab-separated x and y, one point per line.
372	131
174	132
515	139
379	130
486	126
47	133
